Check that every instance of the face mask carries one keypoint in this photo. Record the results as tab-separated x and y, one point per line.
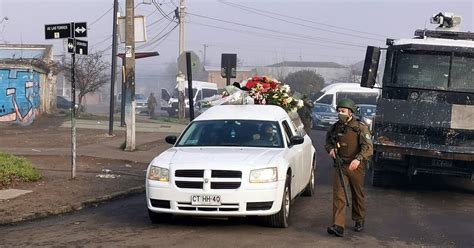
343	117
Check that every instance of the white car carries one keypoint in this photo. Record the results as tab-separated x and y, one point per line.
233	160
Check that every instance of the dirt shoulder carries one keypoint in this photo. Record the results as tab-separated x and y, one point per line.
103	171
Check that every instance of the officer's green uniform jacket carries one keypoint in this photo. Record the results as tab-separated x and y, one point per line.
354	138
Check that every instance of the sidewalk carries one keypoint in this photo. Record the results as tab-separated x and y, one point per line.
103	171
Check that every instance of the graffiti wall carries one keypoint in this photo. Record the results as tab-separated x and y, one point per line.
19	96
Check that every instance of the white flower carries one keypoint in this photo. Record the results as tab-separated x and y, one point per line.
286	88
300	104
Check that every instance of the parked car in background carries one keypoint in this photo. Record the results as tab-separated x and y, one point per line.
140	100
323	116
141	103
233	160
62	103
366	113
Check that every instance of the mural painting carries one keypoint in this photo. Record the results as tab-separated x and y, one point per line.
19	96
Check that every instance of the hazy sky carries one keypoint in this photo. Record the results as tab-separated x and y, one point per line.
261	32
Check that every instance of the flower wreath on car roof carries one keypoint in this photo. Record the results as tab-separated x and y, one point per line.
258	90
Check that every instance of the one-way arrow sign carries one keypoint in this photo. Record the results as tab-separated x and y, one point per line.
80	29
70	45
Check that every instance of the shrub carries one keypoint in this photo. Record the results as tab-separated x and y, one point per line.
15	169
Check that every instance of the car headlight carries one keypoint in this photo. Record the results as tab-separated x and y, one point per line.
267	175
158	174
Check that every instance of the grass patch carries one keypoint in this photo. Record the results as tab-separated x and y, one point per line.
171	119
15	169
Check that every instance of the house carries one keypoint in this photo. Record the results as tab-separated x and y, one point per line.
330	71
213	75
27	82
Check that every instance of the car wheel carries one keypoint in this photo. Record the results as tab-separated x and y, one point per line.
281	219
309	190
156	218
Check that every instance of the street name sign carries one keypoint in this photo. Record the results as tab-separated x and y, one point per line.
81	47
57	31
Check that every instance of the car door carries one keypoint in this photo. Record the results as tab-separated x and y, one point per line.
293	154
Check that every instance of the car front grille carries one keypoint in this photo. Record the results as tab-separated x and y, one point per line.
219	179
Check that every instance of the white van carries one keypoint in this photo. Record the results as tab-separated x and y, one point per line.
360	95
169	102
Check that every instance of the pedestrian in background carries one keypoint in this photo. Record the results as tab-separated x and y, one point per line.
151	103
355	148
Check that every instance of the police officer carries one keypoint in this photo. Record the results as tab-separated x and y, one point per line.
355	148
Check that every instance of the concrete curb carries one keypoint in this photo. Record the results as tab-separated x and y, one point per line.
74	207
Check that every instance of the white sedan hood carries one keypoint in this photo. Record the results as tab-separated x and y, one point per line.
217	156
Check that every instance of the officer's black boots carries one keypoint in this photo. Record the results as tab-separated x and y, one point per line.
336	230
359	226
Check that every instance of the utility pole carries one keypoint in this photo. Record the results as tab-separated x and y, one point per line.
204	59
113	75
180	77
130	75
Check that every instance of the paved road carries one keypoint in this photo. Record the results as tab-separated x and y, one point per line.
430	214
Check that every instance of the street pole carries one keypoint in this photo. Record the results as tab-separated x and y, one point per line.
73	115
204	62
113	75
130	75
180	77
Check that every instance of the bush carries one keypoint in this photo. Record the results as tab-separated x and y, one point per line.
16	169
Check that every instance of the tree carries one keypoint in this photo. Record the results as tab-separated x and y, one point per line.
306	82
90	74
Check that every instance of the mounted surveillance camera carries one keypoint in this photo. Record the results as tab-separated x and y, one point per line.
445	20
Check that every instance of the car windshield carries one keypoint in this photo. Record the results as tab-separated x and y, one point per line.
244	133
324	109
367	110
140	97
435	70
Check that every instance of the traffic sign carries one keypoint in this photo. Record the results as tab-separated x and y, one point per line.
81	47
70	45
57	31
195	64
80	29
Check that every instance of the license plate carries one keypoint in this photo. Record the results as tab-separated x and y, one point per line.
205	200
441	163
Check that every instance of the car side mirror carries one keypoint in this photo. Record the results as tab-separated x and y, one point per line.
296	140
171	139
371	65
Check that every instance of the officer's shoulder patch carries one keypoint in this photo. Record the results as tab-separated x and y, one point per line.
367	136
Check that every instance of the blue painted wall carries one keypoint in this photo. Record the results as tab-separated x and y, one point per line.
19	95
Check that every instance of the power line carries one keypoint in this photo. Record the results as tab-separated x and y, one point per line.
290	38
156	39
279	32
305	20
100	17
261	13
157	5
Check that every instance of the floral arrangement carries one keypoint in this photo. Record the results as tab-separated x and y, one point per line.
265	90
257	90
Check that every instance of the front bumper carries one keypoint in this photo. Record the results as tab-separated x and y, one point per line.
244	201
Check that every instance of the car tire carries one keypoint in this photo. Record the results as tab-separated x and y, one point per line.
281	219
309	190
157	218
